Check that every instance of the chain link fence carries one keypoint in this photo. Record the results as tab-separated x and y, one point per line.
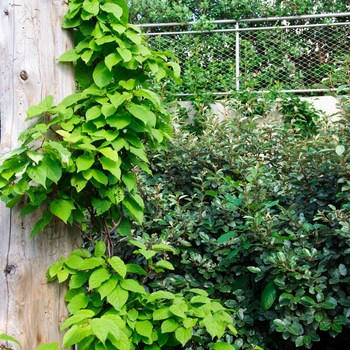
294	54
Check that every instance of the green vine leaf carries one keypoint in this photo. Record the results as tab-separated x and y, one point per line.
183	335
133	209
144	328
4	336
69	56
118	265
222	346
76	334
132	286
103	326
49	346
115	9
169	326
118	297
165	264
62	208
41	224
102	75
98	277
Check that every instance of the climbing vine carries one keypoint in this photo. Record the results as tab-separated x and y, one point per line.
80	156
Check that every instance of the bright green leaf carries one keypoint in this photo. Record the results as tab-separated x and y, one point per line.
84	162
222	346
108	286
133	209
118	297
118	265
75	334
169	326
62	208
165	264
102	75
144	328
132	286
161	314
183	335
114	9
9	338
69	56
136	269
100	248
38	174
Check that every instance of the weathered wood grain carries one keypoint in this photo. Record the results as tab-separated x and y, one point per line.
31	39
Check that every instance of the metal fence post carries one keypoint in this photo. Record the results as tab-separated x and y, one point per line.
237	56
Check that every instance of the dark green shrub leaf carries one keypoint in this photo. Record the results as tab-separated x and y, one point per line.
318	316
325	325
226	237
268	296
295	328
337	327
340	319
307	301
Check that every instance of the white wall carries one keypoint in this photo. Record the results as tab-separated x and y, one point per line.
327	104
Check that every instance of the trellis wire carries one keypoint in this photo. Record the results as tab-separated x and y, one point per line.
294	57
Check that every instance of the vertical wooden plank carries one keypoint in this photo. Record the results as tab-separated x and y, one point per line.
31	38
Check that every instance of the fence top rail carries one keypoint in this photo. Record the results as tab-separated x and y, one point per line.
247	29
262	19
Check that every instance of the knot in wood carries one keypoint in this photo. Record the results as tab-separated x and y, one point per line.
6	12
10	269
23	75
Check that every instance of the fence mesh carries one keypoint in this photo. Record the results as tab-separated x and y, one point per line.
291	57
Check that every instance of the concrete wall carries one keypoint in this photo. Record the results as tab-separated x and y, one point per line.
327	104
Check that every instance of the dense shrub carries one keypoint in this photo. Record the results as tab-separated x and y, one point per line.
259	216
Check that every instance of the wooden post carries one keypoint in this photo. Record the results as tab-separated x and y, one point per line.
31	39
